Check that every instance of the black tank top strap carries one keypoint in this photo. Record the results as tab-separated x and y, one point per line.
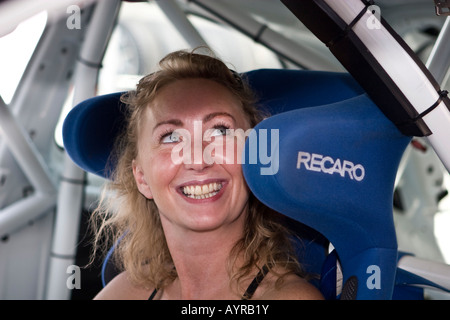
153	294
250	290
255	283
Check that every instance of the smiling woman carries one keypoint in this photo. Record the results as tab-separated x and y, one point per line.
193	230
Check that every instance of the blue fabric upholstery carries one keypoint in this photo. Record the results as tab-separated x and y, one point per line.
282	90
336	169
89	132
332	168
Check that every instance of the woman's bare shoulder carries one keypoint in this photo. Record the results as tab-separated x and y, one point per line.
293	287
121	288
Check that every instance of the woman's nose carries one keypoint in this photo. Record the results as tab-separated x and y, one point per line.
200	159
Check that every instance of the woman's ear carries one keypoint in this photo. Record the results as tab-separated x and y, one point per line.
141	183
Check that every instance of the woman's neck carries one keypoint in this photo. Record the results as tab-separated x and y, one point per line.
202	261
204	276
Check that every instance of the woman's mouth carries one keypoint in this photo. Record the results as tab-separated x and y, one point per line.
203	191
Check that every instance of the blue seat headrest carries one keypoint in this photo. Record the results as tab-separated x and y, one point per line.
340	157
282	90
90	130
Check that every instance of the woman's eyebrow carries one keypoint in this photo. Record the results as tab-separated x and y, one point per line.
208	117
211	116
175	122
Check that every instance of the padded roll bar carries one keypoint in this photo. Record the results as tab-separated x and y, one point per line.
378	58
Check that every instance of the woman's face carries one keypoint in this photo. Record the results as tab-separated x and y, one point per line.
188	157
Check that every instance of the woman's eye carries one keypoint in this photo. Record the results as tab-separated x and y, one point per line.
219	131
171	137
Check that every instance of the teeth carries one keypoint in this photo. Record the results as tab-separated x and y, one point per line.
202	192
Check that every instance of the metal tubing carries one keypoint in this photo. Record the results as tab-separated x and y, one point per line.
14	12
71	190
436	272
302	56
439	65
24	152
439	60
21	212
182	23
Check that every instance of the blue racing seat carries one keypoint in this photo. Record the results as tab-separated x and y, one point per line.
327	159
333	162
